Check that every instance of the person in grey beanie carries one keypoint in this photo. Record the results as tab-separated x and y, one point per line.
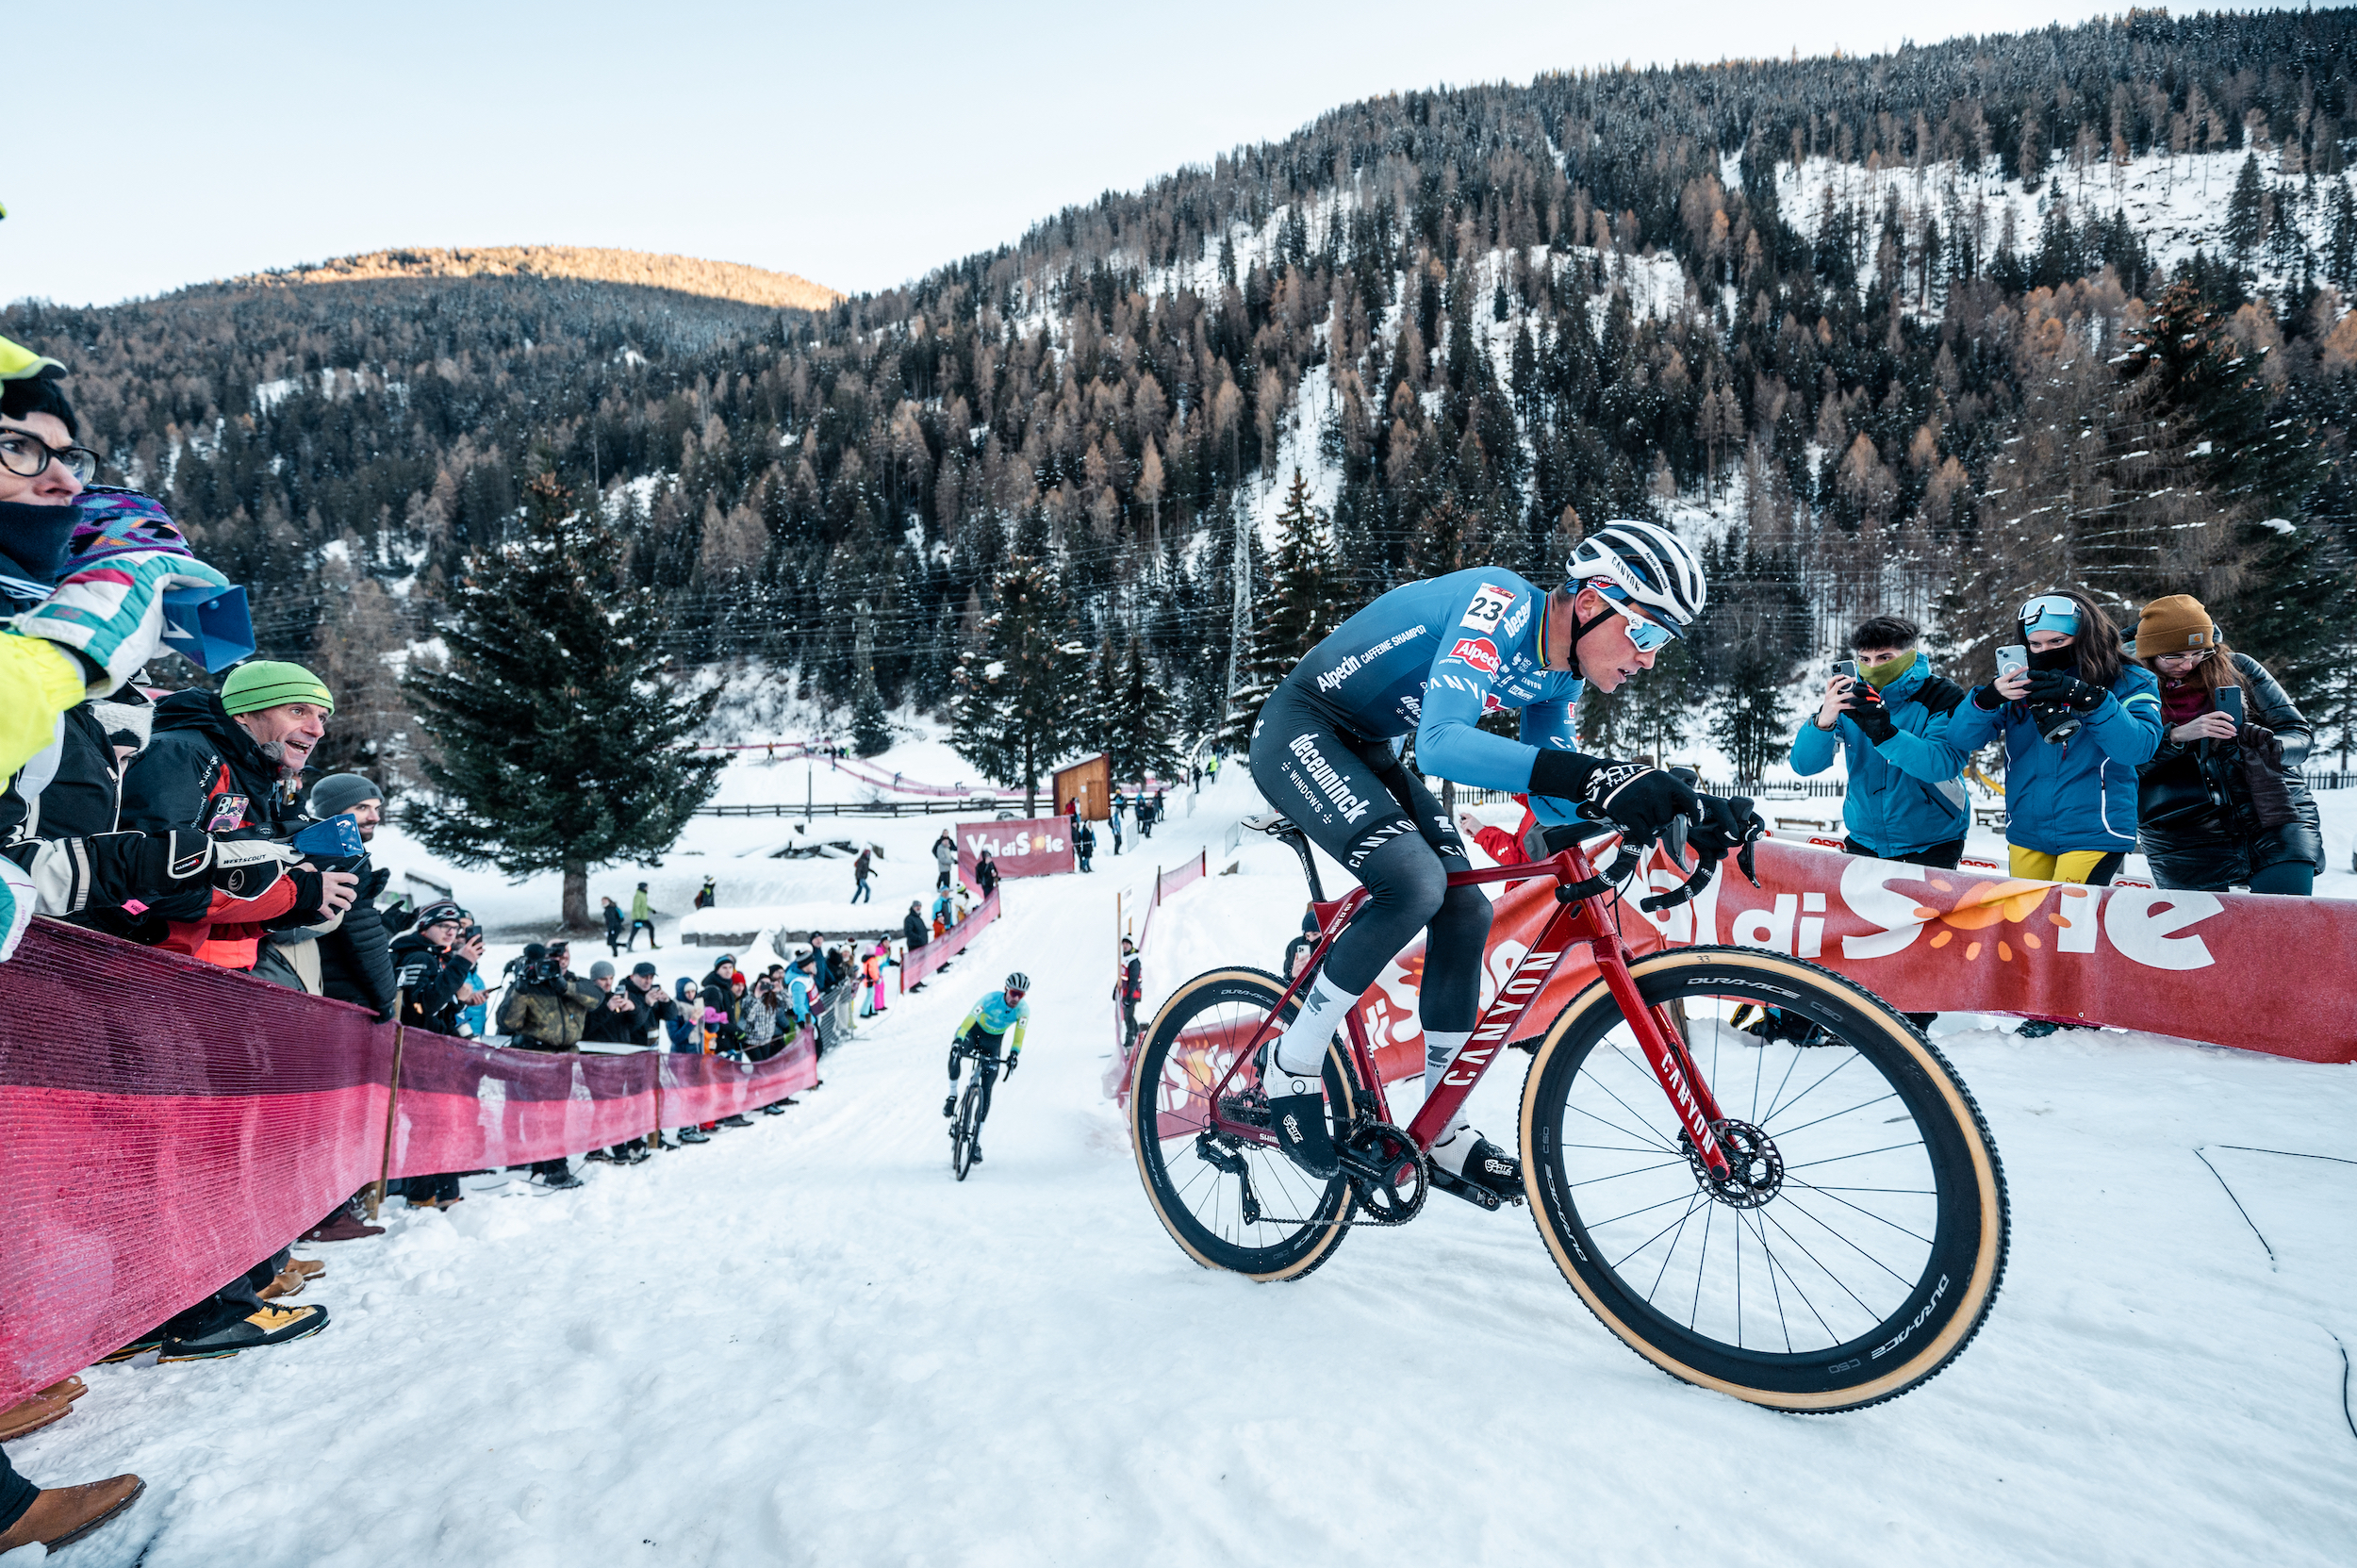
355	963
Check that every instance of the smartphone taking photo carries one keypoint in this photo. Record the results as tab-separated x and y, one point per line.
2012	660
2228	699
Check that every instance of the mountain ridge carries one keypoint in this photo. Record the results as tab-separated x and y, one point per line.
685	275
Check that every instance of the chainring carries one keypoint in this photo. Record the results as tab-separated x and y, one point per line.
1387	1173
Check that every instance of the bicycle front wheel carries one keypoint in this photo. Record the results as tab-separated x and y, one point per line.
1229	1202
1860	1240
962	1130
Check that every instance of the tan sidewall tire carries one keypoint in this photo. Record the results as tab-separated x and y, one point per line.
1139	1140
1971	1303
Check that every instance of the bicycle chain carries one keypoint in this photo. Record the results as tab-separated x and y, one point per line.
1223	1152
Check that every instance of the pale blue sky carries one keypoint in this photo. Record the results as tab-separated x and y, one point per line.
857	144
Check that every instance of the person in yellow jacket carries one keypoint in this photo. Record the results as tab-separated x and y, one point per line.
102	621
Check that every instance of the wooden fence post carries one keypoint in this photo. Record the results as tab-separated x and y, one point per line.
393	1103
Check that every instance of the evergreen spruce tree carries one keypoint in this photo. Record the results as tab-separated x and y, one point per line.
559	748
1139	736
871	726
1022	700
2242	212
1293	614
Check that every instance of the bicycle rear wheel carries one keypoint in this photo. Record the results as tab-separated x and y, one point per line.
1197	1179
962	1130
1861	1243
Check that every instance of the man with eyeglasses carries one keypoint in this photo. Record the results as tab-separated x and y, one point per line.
1432	659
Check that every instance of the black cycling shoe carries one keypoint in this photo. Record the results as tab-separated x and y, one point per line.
1489	1176
950	1105
1297	1117
974	1152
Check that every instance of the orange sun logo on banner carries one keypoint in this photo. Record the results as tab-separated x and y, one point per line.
1983	904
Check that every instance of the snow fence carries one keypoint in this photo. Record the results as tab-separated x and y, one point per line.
931	957
166	1124
2266	974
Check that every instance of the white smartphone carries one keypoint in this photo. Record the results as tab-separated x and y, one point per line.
2012	659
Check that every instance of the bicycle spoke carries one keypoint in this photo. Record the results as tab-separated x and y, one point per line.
1788	1131
1702	1265
1775	1265
1615	1148
1674	1246
1686	1196
1637	1171
1660	1145
1820	1268
1867	1213
1854	1246
1640	1247
1632	1111
1781	1104
1836	1159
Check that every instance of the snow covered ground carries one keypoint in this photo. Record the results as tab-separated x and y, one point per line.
805	1343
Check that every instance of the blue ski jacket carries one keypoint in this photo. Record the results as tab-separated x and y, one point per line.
1907	793
1431	658
2077	794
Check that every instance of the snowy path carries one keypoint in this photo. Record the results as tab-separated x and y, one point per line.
806	1344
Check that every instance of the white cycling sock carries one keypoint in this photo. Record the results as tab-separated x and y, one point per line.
1455	1147
1301	1050
1438	1046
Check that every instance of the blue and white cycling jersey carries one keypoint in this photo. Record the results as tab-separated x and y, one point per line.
1430	658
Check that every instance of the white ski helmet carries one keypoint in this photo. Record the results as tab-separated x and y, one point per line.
1646	562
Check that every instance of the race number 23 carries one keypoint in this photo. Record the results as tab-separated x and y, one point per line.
1488	608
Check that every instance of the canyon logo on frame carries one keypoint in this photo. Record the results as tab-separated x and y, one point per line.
1027	847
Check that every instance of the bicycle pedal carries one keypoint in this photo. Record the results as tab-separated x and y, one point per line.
1471	1192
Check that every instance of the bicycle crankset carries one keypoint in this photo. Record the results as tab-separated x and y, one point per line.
1391	1176
1754	1168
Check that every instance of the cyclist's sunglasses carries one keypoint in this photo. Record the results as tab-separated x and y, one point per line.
1646	634
25	454
1017	996
2049	612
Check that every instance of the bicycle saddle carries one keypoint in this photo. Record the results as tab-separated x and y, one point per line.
1274	823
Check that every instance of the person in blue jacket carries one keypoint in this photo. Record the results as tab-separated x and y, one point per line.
1905	799
2076	724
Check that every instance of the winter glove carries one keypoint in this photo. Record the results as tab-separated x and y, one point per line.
2063	689
111	611
2258	740
374	886
1013	1058
177	871
1871	714
1988	699
2270	799
1727	823
1637	800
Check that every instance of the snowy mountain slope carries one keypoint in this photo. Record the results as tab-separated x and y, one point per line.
807	1344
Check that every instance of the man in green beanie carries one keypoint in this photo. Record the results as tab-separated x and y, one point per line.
233	765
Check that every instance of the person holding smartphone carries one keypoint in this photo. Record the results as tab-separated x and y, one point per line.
2222	803
1888	713
2077	722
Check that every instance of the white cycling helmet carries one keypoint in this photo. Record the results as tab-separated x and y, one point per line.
1648	563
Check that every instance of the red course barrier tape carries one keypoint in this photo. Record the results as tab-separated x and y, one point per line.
165	1125
919	962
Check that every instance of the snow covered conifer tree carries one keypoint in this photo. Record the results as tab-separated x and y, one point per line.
1022	698
1138	730
1301	603
559	748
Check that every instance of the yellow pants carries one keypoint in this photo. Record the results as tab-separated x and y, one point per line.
2071	866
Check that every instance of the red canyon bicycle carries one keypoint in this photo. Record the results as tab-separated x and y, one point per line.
1756	1174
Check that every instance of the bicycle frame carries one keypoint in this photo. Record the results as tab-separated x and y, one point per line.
1575	921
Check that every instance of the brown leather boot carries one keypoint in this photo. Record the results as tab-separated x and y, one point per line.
289	1281
310	1268
68	1390
65	1513
31	1414
342	1225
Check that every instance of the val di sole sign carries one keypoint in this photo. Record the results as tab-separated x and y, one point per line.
1027	847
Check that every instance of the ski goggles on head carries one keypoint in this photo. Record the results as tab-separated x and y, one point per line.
2049	612
1646	634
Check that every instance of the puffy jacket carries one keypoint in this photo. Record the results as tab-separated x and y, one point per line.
1907	793
429	978
355	959
650	1008
549	1014
604	1024
201	771
2195	819
2077	794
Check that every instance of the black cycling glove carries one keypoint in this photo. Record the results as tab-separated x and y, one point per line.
2067	691
1727	823
1639	799
1988	699
1871	714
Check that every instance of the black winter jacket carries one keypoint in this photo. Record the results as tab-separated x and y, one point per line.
604	1025
355	959
2194	817
431	977
648	1009
914	928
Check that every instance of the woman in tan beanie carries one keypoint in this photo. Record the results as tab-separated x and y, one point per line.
2220	806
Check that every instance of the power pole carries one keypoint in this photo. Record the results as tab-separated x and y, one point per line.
1238	622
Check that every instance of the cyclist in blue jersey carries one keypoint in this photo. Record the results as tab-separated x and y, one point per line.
1429	659
997	1018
